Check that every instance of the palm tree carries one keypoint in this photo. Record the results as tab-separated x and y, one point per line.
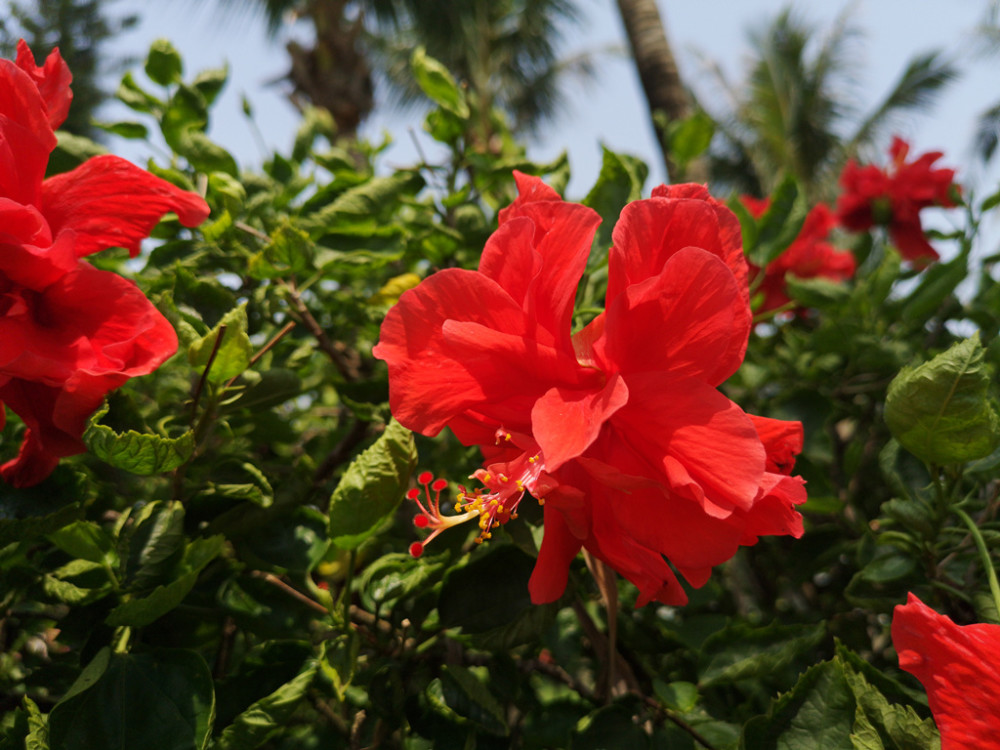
665	93
794	112
502	51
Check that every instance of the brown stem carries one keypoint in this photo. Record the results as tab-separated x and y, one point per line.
292	592
348	371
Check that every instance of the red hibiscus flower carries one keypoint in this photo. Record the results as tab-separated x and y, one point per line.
618	429
894	197
69	333
809	256
959	666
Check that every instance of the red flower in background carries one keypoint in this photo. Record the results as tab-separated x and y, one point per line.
809	256
618	429
69	333
895	198
959	667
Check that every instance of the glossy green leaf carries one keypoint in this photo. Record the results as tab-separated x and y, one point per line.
477	598
372	487
86	540
160	699
252	727
234	349
780	224
817	713
438	84
123	129
143	610
163	63
742	652
942	410
620	181
690	138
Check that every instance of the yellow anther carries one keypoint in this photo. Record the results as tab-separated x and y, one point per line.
503	478
541	501
486	477
500	509
520	484
532	459
507	436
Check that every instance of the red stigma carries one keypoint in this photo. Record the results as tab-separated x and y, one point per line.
421	522
416	549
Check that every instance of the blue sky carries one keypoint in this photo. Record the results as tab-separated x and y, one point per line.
612	110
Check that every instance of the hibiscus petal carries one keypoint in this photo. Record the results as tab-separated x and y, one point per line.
690	320
559	547
26	138
782	439
959	666
455	343
87	321
910	240
110	202
565	422
650	231
705	446
562	238
52	80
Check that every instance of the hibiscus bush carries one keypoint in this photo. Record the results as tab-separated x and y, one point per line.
351	456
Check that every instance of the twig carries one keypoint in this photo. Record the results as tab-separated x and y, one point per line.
263	350
347	370
292	592
196	397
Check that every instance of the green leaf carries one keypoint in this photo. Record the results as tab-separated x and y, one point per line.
742	652
435	81
144	610
152	543
30	512
372	487
160	699
163	63
397	575
363	203
87	541
467	602
609	727
619	182
252	727
819	293
879	724
941	411
817	713
679	696
291	539
780	225
689	138
132	130
38	727
234	350
135	452
471	699
135	97
338	659
938	282
210	82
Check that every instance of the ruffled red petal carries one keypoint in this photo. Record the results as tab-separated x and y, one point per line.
959	666
109	202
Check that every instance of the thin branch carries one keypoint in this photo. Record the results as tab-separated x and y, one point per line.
346	369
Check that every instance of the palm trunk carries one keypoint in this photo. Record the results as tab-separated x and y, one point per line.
661	82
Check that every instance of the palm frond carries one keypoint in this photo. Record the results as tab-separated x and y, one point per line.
917	89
